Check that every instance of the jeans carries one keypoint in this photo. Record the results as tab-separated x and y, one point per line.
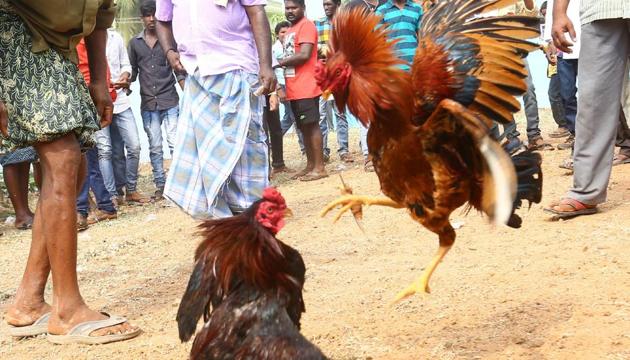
363	142
94	181
568	73
326	109
555	100
124	136
152	121
104	147
531	106
288	119
169	117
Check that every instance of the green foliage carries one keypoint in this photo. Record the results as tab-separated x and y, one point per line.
128	21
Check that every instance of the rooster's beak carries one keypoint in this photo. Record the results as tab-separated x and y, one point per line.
326	94
288	213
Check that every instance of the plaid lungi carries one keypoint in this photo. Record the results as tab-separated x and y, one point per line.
220	162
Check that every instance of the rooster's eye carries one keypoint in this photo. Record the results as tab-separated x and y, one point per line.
338	72
269	210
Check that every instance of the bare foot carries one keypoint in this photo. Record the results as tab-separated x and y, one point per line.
62	325
24	222
301	173
314	175
24	315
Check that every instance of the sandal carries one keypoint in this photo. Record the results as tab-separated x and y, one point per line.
40	326
577	208
80	334
620	159
368	166
313	176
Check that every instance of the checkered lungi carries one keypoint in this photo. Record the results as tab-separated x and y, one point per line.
220	162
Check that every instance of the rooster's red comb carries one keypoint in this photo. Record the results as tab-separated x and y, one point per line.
273	195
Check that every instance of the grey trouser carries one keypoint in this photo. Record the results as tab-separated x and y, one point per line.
623	133
601	74
531	106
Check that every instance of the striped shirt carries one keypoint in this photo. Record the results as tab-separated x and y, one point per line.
404	25
592	10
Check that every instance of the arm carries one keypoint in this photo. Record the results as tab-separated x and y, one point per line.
4	120
167	42
529	4
262	36
133	61
306	49
561	25
95	44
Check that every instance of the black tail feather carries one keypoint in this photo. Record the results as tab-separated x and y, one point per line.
530	180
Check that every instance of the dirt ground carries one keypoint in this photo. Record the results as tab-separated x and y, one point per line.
551	290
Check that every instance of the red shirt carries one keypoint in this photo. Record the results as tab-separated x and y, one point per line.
84	67
300	80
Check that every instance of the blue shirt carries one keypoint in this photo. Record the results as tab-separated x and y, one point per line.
403	25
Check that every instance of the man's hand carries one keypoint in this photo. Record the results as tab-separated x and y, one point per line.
551	53
562	25
173	59
103	102
4	120
282	94
267	79
123	82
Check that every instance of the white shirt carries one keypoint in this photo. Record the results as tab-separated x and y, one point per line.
573	12
118	61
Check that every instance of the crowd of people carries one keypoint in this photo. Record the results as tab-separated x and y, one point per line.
233	88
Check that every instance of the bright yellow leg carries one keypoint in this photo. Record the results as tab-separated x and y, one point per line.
348	201
422	284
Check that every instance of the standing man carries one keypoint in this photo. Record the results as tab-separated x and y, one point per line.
220	164
157	91
605	47
120	171
38	60
326	107
300	58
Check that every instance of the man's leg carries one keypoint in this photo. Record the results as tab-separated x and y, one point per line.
16	178
128	130
568	73
272	119
555	100
119	160
104	150
603	59
312	141
531	106
169	118
342	134
324	110
103	199
152	121
623	135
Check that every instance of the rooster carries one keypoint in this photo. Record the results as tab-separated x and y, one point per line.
248	286
429	129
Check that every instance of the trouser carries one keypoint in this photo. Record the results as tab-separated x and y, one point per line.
531	106
326	110
94	181
568	72
271	121
104	147
555	100
152	123
603	61
125	138
623	132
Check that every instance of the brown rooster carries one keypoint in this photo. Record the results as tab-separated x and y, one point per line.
248	286
428	134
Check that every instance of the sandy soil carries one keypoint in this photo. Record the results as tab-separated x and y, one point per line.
551	290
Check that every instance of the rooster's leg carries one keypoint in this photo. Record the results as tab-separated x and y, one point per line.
447	238
347	202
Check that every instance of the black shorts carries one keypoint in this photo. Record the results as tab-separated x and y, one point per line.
305	111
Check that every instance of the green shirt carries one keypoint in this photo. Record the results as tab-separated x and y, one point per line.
592	10
61	24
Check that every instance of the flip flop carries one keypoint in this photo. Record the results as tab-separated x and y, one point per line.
25	226
80	334
313	176
578	209
40	326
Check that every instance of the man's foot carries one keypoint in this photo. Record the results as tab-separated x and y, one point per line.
159	194
281	169
301	173
560	133
24	222
368	165
512	145
61	325
617	160
313	175
566	164
538	143
136	198
22	315
82	222
119	200
100	215
568	143
569	208
326	158
346	157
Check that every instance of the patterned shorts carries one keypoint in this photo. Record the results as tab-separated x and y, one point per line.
45	94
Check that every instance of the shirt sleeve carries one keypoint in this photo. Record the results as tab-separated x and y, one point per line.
253	2
133	61
164	10
105	14
548	22
307	35
125	64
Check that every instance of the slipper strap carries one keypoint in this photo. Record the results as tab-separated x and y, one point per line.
86	328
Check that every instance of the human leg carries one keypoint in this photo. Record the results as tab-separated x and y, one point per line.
603	59
101	194
152	121
272	119
531	106
555	100
104	149
324	113
126	124
16	178
119	160
342	134
568	73
307	115
169	119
